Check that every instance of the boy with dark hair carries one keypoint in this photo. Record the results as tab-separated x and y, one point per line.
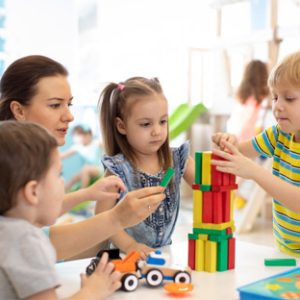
31	196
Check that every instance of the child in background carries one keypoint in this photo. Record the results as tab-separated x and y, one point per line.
252	90
134	122
90	150
282	142
31	196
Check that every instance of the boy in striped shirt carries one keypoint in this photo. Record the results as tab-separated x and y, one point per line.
282	142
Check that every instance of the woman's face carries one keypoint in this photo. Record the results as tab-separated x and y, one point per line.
50	107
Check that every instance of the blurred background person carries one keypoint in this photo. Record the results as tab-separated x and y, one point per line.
90	150
243	122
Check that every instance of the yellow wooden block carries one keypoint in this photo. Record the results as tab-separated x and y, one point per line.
206	167
197	206
213	226
203	237
199	255
210	262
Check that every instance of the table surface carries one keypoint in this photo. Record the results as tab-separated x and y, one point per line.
209	286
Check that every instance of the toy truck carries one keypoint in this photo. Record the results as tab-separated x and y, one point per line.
153	270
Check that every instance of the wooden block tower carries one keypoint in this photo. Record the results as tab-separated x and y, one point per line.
211	246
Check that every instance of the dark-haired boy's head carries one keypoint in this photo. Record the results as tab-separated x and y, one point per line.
25	155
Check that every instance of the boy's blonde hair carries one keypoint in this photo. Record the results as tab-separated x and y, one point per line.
287	72
113	103
25	155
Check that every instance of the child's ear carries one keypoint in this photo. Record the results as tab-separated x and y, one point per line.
17	110
120	126
30	192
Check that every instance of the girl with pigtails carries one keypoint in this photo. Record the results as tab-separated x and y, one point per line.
134	124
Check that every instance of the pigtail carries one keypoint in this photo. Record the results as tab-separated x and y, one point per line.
107	117
113	104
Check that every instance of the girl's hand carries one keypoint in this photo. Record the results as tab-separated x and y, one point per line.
102	283
234	163
143	249
220	138
106	188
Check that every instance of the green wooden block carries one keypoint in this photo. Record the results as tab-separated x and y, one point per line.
222	256
209	231
193	236
205	188
280	262
166	179
198	167
220	238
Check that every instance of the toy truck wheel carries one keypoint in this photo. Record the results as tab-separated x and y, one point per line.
129	282
154	277
182	277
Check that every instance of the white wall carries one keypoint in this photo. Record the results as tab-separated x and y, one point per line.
151	39
46	27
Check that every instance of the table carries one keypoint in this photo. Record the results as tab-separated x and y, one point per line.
209	286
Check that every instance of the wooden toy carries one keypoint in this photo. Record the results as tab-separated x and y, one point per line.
166	179
178	288
154	270
211	246
280	262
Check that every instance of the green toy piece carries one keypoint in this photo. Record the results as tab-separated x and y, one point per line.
280	262
166	179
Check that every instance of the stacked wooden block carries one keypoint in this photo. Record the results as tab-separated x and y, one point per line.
211	246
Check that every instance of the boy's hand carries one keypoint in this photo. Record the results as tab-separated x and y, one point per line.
234	163
106	188
220	138
102	283
138	205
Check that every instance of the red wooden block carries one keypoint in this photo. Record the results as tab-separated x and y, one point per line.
226	180
216	176
196	186
191	253
207	209
226	206
232	179
228	230
231	253
224	188
217	208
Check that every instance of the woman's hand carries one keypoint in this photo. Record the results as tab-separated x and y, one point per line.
105	189
138	205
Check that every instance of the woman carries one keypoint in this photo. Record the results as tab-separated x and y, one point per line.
35	88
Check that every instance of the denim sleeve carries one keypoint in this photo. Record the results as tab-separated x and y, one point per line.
110	165
115	165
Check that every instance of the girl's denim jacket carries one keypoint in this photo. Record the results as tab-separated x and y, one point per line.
157	229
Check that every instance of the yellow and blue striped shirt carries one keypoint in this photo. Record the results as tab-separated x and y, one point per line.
286	165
